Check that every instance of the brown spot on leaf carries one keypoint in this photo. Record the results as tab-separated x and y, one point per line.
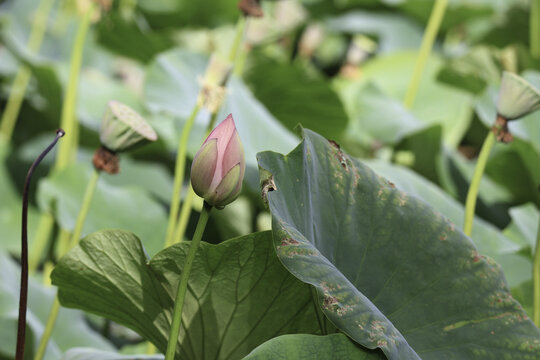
289	241
267	186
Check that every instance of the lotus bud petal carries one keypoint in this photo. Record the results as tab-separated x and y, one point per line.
517	97
123	128
218	168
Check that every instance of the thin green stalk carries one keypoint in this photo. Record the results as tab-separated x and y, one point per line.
75	236
238	37
68	149
179	171
434	23
184	216
43	231
182	285
536	279
53	314
62	243
185	212
470	203
534	28
83	212
20	83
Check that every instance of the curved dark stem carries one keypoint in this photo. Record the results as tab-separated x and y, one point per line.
23	298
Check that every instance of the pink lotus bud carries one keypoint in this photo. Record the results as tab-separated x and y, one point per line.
218	168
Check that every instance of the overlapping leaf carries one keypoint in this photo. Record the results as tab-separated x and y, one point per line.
239	295
390	272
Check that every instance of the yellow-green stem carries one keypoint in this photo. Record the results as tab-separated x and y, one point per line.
179	172
238	37
182	285
433	25
20	83
83	212
470	203
43	231
534	27
68	149
53	314
77	231
62	242
536	279
185	213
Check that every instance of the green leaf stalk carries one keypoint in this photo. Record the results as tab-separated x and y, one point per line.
433	25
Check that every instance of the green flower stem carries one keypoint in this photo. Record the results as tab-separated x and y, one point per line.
433	25
68	149
185	212
62	243
179	171
470	203
534	28
238	38
536	280
83	212
20	83
43	231
184	216
75	236
53	314
182	285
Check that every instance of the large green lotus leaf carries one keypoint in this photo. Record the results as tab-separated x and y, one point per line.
123	35
186	13
45	72
393	123
390	272
151	176
127	206
486	237
490	192
281	87
473	71
489	240
457	12
393	32
312	347
96	89
71	328
524	226
239	295
93	354
435	103
172	86
516	166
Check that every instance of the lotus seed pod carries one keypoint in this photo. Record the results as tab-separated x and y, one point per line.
517	97
123	128
218	168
